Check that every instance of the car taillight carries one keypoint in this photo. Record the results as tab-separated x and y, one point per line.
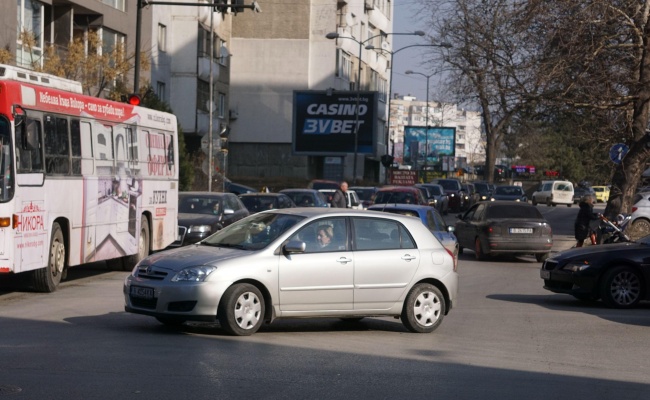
453	257
494	230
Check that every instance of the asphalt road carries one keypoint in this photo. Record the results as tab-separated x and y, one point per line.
506	338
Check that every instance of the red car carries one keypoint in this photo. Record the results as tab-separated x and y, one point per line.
400	195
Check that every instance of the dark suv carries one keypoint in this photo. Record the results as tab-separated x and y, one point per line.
455	192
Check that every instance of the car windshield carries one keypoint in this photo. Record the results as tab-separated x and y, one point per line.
482	187
199	205
364	194
395	197
435	190
509	211
599	189
449	185
509	190
259	203
254	232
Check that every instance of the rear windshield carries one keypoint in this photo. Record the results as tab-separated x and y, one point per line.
509	190
511	211
566	187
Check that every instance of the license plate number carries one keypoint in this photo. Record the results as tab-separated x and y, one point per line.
521	230
544	274
142	292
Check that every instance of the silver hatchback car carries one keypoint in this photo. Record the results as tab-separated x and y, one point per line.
300	262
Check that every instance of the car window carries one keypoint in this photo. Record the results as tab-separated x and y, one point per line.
509	211
433	223
435	190
254	232
232	202
323	235
565	187
449	185
478	214
380	234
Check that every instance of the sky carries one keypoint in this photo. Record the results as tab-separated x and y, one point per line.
409	59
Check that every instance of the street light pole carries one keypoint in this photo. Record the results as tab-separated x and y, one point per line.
426	131
335	35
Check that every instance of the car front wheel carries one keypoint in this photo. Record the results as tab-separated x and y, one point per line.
241	312
621	287
424	308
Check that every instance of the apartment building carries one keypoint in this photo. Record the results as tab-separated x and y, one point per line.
409	111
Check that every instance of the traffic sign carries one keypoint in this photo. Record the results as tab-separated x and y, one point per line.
617	152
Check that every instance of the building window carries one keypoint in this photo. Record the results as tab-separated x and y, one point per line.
119	4
162	38
344	65
30	22
160	90
202	95
204	44
222	105
223	52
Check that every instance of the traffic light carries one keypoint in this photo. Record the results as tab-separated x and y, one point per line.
387	160
133	99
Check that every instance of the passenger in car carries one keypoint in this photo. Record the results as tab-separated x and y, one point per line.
325	235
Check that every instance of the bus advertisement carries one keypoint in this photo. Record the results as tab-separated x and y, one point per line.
82	179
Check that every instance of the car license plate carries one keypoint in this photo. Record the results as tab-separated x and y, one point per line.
544	274
521	230
142	292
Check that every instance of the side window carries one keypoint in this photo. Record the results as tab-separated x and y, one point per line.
57	146
231	203
479	212
75	146
547	187
431	222
29	144
323	235
378	234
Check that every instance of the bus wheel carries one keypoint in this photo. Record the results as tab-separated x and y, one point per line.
48	278
143	246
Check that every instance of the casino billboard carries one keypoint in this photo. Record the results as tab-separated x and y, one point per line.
324	123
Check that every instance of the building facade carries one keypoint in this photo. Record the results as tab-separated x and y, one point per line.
469	141
284	49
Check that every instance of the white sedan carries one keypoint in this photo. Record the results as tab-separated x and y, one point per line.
300	262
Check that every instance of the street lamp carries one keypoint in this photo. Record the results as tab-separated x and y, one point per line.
390	83
426	132
335	35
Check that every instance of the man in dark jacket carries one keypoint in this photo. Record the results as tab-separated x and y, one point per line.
584	218
340	200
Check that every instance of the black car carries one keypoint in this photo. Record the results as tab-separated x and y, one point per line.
306	197
484	190
504	227
618	274
510	193
455	192
200	214
436	195
256	202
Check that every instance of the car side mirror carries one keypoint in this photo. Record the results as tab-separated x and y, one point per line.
295	246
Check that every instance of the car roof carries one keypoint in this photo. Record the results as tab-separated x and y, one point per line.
261	194
400	206
398	189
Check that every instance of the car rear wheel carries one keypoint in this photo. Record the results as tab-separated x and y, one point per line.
424	308
478	250
241	312
621	287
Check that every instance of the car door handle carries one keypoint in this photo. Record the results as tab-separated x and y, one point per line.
408	257
344	260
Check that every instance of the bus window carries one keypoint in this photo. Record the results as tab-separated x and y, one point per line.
28	147
6	172
57	160
75	146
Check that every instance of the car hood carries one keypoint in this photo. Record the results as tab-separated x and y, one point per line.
597	250
185	219
193	255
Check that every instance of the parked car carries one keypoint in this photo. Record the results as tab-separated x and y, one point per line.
602	193
617	273
484	190
366	194
237	188
579	192
351	198
273	265
553	193
455	192
306	197
504	227
639	225
400	195
509	193
200	214
430	217
256	202
438	195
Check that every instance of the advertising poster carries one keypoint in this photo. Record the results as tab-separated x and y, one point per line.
427	148
327	122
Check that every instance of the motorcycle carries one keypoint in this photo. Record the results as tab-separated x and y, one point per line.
614	232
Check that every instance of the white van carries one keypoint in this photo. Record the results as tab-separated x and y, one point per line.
553	193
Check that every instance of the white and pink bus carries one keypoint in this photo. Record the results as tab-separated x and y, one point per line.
82	179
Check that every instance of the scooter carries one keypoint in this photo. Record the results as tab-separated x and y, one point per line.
614	232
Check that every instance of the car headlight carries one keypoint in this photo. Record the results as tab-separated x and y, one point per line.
451	195
194	274
577	266
518	200
483	197
200	228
